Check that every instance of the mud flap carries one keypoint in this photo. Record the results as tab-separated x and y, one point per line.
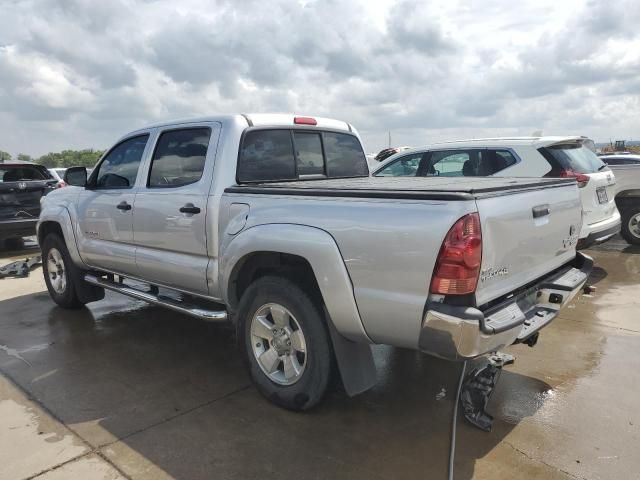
355	362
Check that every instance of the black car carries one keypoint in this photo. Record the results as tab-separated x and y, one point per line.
21	187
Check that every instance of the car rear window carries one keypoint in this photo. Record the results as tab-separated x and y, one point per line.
17	173
287	154
576	158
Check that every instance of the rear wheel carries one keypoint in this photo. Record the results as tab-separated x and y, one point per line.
285	342
60	273
630	230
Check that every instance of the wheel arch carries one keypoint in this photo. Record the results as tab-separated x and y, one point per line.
58	221
311	256
628	198
283	248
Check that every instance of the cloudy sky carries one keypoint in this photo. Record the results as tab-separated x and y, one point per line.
79	73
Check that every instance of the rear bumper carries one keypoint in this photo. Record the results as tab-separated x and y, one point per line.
600	232
18	228
459	333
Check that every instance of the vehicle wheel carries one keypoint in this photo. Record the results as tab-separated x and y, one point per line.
631	225
285	342
60	273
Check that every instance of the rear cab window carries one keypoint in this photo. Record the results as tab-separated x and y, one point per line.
573	157
283	154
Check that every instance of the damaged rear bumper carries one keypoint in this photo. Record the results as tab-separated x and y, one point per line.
459	333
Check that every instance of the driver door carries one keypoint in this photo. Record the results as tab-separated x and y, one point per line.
105	208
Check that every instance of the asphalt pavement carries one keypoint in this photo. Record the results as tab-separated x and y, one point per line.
121	389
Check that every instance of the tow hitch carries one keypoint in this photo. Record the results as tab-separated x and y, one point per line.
478	387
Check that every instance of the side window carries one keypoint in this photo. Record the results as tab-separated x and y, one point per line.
179	157
120	167
345	157
406	166
494	161
612	161
309	153
453	164
266	155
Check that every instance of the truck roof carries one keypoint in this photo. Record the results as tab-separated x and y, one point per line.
262	119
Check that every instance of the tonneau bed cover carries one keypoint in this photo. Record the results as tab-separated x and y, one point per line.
419	188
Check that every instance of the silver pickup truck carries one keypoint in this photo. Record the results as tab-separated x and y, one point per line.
271	222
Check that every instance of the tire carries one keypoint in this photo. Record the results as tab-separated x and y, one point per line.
631	222
297	381
61	283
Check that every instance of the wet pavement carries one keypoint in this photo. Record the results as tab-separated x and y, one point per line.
139	392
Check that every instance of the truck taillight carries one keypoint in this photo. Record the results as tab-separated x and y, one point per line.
581	178
458	264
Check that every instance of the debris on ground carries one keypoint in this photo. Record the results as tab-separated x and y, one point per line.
479	386
440	395
21	268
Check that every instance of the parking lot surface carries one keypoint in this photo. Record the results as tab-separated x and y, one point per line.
122	389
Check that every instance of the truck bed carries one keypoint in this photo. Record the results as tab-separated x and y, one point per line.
390	230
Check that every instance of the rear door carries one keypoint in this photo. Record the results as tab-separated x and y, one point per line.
105	208
170	214
526	234
598	193
21	187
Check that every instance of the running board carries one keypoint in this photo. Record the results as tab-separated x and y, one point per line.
192	310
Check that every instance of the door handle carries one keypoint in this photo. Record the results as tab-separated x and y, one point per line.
123	206
540	211
189	208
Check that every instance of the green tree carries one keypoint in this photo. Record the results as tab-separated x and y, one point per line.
71	158
23	157
4	156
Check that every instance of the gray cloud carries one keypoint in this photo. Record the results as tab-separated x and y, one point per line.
80	73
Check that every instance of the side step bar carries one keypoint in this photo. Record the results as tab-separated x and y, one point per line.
194	311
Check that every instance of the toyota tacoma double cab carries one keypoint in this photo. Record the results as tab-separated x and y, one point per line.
271	222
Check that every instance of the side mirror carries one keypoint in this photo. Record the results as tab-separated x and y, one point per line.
76	176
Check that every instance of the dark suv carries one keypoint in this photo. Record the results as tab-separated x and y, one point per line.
21	187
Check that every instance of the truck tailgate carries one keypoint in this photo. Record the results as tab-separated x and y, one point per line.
526	235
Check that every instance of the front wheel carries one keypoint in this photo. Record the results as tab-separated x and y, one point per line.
285	343
630	230
59	272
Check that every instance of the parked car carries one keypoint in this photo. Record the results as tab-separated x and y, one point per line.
555	157
272	222
626	168
58	174
21	187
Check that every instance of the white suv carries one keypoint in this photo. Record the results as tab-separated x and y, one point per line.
522	157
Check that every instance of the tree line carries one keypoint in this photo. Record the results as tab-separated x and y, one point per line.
66	158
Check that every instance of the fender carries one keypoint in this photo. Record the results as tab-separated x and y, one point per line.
60	215
320	250
349	338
